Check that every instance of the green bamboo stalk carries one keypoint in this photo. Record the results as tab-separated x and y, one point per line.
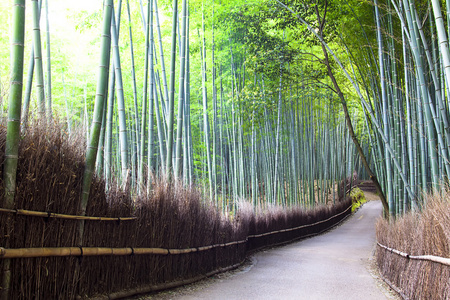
442	112
386	127
214	97
150	157
412	22
181	92
13	125
100	163
49	67
170	119
109	165
86	114
188	148
28	88
120	101
91	152
163	107
160	127
38	59
69	126
163	66
133	76
145	97
109	127
277	139
443	40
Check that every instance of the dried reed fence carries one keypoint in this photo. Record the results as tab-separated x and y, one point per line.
413	253
148	234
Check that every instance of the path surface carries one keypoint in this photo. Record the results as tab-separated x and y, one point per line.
335	265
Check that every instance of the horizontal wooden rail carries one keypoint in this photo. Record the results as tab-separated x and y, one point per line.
298	227
104	251
436	259
24	212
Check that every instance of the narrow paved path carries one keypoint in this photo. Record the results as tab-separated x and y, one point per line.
335	265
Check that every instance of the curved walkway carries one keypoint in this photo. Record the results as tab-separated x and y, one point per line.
334	265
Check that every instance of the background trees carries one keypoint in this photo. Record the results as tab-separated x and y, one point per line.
257	113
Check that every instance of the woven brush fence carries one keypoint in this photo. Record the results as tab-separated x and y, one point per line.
413	253
171	235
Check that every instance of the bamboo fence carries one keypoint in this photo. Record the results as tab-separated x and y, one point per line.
103	251
437	259
24	254
413	252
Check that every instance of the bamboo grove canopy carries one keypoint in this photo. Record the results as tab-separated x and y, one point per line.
270	101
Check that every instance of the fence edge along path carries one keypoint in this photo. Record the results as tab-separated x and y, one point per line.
27	253
433	258
174	284
101	251
413	252
430	258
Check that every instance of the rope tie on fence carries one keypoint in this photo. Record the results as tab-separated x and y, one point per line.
80	257
49	214
437	259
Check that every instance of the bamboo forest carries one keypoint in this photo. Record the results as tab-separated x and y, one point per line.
149	144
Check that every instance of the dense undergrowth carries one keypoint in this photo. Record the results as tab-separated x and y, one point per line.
49	179
425	233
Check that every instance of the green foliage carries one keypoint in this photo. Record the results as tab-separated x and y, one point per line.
358	198
85	20
256	45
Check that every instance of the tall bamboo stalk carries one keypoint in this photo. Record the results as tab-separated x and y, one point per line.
13	125
38	59
49	66
120	101
91	152
145	96
133	75
170	118
181	92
